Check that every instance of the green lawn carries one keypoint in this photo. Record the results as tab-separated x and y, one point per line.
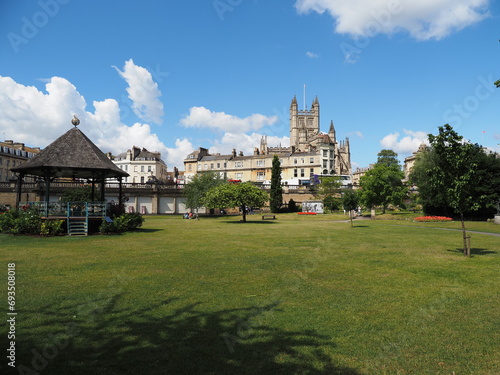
297	295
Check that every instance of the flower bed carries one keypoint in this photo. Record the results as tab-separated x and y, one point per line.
432	219
306	213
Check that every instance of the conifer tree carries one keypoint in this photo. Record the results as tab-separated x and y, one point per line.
276	198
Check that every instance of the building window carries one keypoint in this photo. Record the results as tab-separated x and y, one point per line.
212	166
238	164
142	179
311	171
261	175
302	172
295	172
295	161
331	154
149	168
325	163
218	165
225	165
302	160
189	167
261	163
199	167
311	160
239	176
205	166
142	168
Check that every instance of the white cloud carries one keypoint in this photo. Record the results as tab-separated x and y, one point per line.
201	117
35	118
423	20
312	55
245	143
143	92
406	145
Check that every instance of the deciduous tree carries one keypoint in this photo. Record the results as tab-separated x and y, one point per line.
452	175
236	195
350	201
199	185
382	185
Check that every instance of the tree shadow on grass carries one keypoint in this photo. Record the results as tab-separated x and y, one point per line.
251	222
147	230
474	251
102	338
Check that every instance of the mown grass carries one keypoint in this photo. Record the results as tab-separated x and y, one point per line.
298	295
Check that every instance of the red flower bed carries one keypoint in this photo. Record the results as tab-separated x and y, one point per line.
306	213
432	219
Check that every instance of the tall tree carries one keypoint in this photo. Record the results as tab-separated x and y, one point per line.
236	195
199	185
382	185
276	199
388	158
451	173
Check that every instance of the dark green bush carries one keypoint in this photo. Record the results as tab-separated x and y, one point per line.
26	221
122	223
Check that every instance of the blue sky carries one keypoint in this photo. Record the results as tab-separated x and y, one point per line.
172	76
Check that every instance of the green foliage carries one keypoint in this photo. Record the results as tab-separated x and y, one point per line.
236	195
51	227
196	189
331	203
22	222
382	185
350	201
454	174
329	186
276	196
433	191
80	194
122	223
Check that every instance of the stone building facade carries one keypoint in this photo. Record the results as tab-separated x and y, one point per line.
141	165
13	154
311	153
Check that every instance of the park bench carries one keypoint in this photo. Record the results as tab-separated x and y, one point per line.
268	217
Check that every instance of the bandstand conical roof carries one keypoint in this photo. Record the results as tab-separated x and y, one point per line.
71	155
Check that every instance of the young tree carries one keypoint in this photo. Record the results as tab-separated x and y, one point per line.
454	173
432	193
236	195
276	198
382	185
199	185
350	201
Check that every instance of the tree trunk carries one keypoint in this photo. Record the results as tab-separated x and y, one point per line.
244	212
464	234
350	215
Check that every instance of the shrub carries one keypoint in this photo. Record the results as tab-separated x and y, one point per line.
122	223
26	221
51	227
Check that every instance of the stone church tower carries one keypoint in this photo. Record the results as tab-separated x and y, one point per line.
304	124
305	136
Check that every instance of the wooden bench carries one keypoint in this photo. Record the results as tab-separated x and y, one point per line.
268	217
